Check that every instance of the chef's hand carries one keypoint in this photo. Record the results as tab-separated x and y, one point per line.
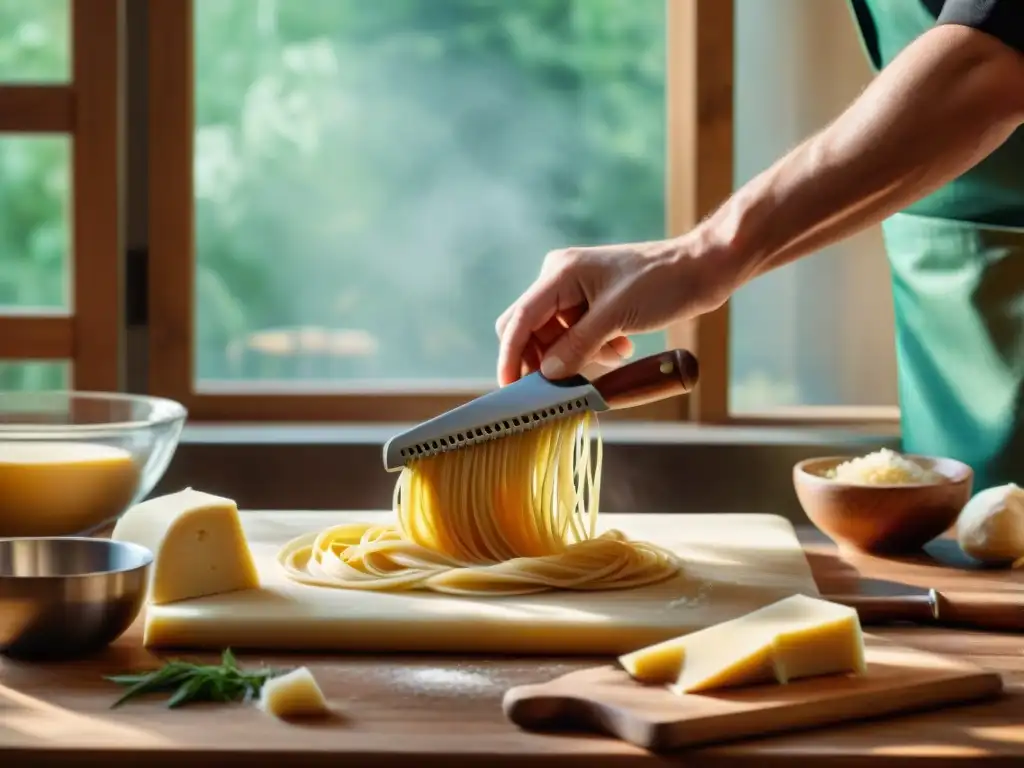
580	309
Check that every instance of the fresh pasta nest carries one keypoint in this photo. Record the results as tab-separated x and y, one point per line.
511	516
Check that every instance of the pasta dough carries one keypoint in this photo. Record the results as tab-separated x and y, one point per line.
991	525
511	516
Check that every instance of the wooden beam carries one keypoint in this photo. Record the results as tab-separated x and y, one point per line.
37	109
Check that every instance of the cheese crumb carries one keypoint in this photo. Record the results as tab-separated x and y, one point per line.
295	694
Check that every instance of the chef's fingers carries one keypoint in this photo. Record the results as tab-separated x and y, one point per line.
537	306
583	342
611	355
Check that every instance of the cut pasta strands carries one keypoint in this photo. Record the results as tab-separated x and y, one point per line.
512	516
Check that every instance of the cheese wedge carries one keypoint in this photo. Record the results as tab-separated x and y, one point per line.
197	543
793	638
819	638
295	694
658	664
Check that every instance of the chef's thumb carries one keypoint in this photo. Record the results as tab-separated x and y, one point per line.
579	344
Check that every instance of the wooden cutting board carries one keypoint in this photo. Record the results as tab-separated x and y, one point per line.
733	565
606	700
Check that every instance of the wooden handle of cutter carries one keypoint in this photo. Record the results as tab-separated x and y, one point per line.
649	379
873	611
989	611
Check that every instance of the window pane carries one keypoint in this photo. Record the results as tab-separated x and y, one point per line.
34	41
376	182
820	331
34	375
34	221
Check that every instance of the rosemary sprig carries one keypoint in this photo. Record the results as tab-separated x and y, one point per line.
196	682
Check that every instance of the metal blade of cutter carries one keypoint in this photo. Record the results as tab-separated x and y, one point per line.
515	408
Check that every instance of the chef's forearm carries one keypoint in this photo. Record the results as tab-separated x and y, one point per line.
950	99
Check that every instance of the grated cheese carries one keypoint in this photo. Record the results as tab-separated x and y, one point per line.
883	467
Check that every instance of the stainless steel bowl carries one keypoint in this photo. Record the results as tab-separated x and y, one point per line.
62	597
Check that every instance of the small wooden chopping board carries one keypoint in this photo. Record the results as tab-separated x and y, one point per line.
606	700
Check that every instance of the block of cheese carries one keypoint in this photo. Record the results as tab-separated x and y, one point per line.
295	694
198	545
796	637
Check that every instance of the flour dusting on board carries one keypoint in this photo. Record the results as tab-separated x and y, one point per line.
441	681
460	680
699	596
446	679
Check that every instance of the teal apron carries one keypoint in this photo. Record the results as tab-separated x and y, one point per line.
957	263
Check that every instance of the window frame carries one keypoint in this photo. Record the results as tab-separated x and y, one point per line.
87	109
699	176
689	192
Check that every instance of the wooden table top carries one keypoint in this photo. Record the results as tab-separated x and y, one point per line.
426	711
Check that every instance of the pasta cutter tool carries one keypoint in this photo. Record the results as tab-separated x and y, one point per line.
533	400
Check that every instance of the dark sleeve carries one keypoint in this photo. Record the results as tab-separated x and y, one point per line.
1003	19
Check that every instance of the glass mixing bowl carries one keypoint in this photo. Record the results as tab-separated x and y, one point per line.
73	462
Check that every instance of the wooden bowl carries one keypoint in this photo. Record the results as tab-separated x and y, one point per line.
882	519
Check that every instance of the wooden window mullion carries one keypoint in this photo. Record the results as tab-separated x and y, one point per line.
97	242
37	108
700	167
40	337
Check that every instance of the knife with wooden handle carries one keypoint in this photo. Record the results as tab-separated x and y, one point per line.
534	400
993	611
883	602
893	609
